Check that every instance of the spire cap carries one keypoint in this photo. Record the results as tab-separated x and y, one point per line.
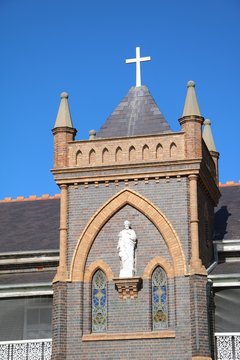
191	104
207	136
64	116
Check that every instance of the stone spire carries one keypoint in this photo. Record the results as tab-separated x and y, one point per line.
207	135
63	117
63	133
191	123
208	139
191	104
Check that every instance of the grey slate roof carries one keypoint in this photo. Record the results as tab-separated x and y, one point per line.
137	114
227	268
27	278
227	214
29	225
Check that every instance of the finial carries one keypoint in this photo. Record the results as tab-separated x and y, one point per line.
191	104
64	95
63	117
92	134
191	83
207	136
138	61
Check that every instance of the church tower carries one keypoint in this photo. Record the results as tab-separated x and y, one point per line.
137	204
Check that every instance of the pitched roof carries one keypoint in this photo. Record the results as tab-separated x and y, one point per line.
227	268
21	278
227	214
29	225
137	114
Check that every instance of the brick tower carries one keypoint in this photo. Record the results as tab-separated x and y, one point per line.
165	184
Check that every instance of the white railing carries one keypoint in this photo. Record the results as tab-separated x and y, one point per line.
228	346
39	349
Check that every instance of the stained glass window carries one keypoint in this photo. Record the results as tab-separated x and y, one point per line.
99	302
159	299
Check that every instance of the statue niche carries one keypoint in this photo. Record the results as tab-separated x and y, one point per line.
127	284
126	250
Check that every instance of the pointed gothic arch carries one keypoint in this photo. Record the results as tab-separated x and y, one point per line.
92	156
145	152
173	149
94	266
78	158
105	155
101	217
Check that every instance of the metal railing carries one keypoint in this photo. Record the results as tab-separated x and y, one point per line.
39	349
227	346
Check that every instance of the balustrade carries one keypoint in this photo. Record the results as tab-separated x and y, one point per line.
227	346
39	349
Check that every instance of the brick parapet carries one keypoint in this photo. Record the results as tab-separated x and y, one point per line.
127	150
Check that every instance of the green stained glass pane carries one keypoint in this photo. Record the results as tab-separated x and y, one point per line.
159	299
99	302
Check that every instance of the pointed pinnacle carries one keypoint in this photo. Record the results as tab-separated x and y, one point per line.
207	135
63	117
191	105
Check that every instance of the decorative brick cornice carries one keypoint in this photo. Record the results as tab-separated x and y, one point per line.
31	198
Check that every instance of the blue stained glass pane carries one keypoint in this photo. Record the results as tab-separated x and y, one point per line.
159	299
99	302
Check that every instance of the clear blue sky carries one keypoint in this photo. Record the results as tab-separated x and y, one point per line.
50	46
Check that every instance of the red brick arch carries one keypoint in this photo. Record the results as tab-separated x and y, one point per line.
100	218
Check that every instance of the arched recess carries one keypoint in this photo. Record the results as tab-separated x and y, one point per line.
132	153
159	151
173	150
78	157
118	154
105	155
100	218
145	152
93	267
92	156
158	261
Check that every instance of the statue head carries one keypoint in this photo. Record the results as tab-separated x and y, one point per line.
127	224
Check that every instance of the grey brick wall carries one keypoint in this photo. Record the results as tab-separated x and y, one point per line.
186	295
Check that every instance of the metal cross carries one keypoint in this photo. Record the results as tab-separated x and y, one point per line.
138	60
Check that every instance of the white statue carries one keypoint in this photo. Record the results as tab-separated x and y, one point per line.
126	250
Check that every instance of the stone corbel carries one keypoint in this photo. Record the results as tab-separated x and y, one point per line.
128	287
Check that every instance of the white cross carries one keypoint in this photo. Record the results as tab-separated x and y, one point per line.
138	60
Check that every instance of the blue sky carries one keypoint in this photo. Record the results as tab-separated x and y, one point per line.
50	46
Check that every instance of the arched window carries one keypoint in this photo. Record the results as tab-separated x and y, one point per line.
159	299
99	302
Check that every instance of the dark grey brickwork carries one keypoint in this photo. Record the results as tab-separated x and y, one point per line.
199	323
186	295
59	321
206	226
170	197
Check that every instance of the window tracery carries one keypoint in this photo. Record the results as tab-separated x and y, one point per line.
99	302
159	299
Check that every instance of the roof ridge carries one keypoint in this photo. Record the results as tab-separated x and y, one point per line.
229	183
30	198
